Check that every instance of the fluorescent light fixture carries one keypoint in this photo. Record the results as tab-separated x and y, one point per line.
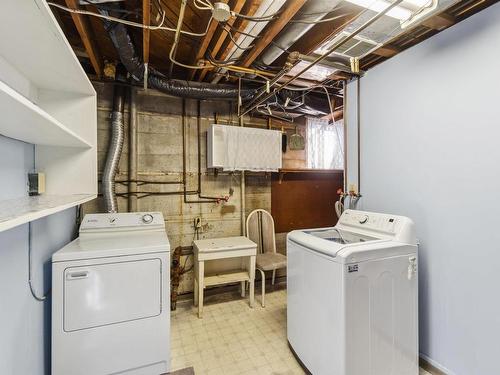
400	12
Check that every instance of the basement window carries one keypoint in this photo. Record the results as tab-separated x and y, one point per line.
325	144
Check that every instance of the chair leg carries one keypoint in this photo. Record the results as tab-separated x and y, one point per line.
274	276
263	277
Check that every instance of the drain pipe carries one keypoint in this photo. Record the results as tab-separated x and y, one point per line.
198	191
242	175
132	155
114	150
243	195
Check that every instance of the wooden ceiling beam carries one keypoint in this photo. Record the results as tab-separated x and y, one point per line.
223	34
273	30
440	21
85	31
146	20
205	42
387	51
240	25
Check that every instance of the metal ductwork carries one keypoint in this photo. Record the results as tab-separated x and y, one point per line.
181	88
313	11
199	90
114	150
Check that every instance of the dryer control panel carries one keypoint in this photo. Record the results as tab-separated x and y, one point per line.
121	221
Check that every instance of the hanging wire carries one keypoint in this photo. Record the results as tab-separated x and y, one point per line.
237	31
204	5
341	146
209	56
129	23
267	18
235	42
30	266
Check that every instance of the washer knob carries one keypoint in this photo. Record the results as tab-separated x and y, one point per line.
147	218
364	219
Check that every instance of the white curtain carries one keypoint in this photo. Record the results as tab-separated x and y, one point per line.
325	144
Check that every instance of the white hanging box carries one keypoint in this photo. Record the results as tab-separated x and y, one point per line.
235	148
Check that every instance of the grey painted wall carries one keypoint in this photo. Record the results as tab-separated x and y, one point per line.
25	322
430	149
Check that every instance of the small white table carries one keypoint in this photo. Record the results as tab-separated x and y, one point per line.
223	248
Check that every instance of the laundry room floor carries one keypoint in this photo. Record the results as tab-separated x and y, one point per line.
233	339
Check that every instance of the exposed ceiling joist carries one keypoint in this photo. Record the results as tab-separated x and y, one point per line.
205	42
338	114
387	51
271	31
222	36
440	21
85	31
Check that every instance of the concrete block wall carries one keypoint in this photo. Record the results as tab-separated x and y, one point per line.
159	119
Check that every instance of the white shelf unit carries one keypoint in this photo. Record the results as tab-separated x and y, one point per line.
47	100
18	211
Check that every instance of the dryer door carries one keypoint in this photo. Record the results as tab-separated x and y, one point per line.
110	293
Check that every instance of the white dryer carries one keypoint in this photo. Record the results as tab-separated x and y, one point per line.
111	297
353	296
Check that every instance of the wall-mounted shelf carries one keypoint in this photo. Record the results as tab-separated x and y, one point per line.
47	100
39	50
25	121
18	211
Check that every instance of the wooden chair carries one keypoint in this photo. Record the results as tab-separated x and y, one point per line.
260	229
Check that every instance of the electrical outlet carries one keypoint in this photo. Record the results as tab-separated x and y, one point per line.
353	188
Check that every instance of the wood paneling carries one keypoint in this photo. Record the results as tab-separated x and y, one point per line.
305	199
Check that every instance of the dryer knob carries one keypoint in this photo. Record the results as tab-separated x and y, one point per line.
147	219
363	219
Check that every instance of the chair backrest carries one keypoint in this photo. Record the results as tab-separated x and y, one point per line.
260	229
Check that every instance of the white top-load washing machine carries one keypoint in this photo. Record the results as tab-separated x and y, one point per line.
111	297
353	296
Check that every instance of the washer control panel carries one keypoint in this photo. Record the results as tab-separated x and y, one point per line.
369	221
138	220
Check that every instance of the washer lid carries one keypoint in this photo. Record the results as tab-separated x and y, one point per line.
339	236
113	245
330	241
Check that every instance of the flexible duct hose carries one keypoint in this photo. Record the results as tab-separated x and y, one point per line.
186	89
114	151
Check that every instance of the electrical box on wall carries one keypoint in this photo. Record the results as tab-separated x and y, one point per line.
235	148
36	183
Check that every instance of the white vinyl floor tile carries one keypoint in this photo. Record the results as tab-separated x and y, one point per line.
232	338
